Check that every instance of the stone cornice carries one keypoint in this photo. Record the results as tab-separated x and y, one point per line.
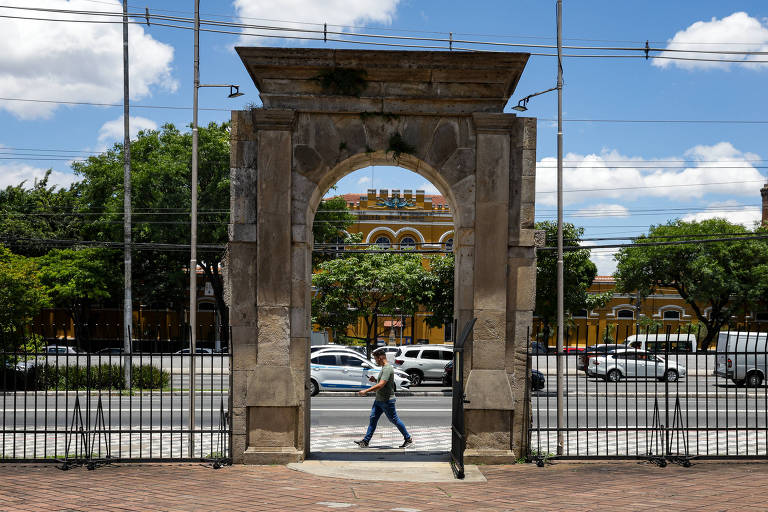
274	119
494	123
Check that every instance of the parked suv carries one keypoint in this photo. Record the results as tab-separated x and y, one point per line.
423	362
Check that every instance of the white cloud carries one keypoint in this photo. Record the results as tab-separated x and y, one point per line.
113	130
429	189
15	173
76	61
602	258
333	12
747	216
603	210
737	32
611	175
364	180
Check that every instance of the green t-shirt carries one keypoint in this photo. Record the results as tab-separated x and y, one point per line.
385	393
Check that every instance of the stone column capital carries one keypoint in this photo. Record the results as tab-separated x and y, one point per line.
501	124
274	119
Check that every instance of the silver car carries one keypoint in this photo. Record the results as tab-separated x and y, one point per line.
423	362
634	363
345	370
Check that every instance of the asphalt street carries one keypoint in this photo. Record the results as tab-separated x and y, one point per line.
611	405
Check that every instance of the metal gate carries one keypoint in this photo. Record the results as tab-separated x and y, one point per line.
83	408
663	399
458	435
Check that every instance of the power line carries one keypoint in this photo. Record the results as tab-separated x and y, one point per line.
95	104
654	244
152	19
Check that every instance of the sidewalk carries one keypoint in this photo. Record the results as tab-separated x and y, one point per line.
624	485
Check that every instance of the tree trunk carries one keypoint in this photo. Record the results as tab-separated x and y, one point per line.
211	271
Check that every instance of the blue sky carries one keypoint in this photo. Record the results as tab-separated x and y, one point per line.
620	177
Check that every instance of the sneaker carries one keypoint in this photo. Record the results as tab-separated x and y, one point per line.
362	443
408	442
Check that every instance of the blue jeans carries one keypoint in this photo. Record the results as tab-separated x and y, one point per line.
387	408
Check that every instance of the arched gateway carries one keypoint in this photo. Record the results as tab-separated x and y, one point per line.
327	113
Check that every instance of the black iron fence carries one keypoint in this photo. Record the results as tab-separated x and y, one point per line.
146	336
653	394
60	405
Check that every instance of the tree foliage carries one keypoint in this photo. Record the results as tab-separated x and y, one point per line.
578	274
438	290
723	277
21	297
330	224
30	216
161	192
365	285
74	279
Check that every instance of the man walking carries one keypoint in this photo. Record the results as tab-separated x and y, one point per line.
385	400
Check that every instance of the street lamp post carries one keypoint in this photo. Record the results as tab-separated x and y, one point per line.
522	107
233	92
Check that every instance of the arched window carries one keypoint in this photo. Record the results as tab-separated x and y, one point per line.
383	242
671	314
407	241
625	313
449	244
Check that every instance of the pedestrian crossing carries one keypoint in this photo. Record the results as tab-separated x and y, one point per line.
628	443
336	438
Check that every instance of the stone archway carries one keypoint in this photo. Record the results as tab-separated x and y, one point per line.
327	113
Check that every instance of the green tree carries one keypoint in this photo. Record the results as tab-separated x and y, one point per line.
438	290
21	297
77	278
161	183
31	216
578	274
331	221
727	277
366	285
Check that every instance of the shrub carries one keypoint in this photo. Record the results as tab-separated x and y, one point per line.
106	376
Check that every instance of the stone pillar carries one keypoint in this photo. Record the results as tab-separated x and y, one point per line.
764	194
503	298
267	413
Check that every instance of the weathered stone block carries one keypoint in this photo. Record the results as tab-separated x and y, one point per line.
459	165
272	386
488	389
444	142
242	232
492	176
242	201
274	335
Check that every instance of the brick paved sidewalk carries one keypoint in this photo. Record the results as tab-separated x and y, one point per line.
624	486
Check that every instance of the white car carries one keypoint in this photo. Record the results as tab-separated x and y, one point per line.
634	363
344	370
423	362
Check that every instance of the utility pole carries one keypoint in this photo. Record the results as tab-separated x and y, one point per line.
128	299
193	241
560	284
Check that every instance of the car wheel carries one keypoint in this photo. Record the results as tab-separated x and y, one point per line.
671	376
754	380
416	377
313	387
613	376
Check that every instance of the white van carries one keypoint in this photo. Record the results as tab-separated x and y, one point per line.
741	357
656	342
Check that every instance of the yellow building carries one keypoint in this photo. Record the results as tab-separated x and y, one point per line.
400	219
